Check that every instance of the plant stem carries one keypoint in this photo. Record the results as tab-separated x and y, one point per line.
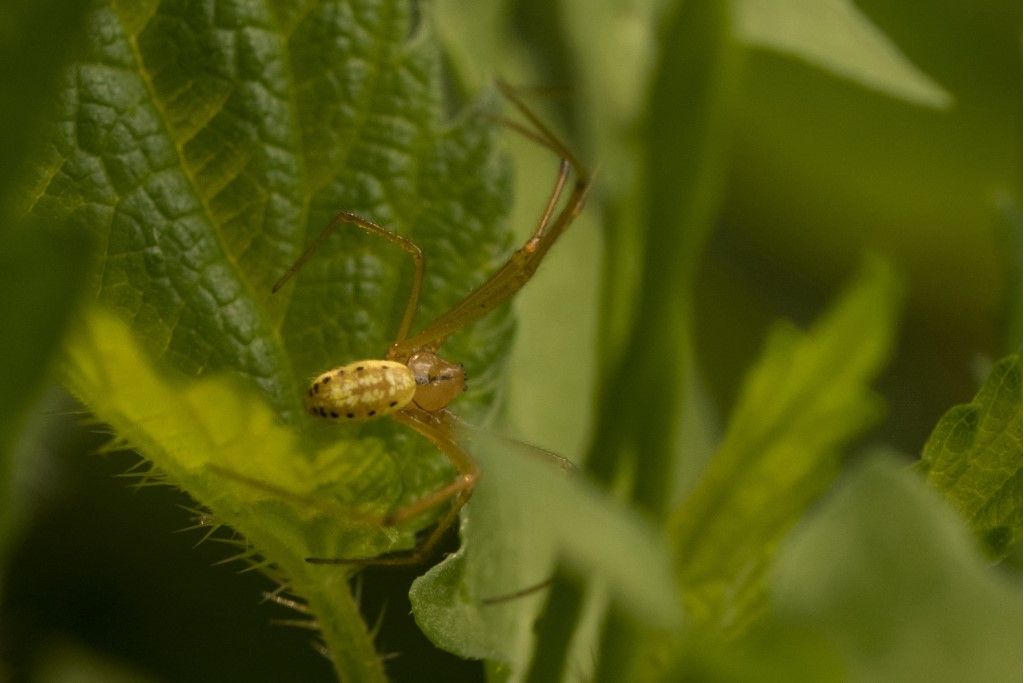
349	645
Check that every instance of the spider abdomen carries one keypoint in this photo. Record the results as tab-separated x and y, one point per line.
363	390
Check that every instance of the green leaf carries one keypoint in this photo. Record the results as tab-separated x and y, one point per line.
973	458
836	36
807	396
36	41
882	583
641	403
647	334
202	148
41	276
42	266
888	577
542	513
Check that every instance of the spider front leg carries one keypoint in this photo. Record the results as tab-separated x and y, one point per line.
521	266
437	429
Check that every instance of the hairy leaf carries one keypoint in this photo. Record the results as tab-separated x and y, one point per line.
202	145
973	458
807	396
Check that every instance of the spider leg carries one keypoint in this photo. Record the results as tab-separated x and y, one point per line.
374	229
469	432
521	593
417	555
523	263
540	133
458	492
329	508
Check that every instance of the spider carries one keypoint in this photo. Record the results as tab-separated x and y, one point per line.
413	384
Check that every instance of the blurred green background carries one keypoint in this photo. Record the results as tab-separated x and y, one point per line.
897	132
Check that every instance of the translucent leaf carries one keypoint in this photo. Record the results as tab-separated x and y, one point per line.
185	426
973	458
807	396
836	36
